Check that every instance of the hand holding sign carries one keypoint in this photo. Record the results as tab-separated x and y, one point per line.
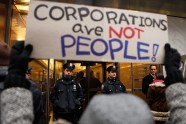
172	64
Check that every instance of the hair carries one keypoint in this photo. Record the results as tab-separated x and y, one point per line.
160	76
91	73
81	73
152	65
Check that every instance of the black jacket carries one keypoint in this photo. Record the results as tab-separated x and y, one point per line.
38	103
145	83
113	86
67	95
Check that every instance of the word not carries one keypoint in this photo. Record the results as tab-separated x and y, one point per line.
124	31
96	15
89	47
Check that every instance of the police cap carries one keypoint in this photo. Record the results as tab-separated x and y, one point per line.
28	71
112	68
69	66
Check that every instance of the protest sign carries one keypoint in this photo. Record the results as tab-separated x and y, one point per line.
80	32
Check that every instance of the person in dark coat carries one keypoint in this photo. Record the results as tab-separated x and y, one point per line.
95	85
37	100
175	91
117	109
112	85
16	106
156	98
82	81
67	95
149	78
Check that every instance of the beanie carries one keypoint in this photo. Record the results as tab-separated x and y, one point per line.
16	106
117	109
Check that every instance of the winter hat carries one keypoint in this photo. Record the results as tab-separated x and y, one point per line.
62	121
117	109
4	53
157	83
16	106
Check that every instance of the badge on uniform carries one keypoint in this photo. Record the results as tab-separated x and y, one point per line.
74	87
114	67
102	86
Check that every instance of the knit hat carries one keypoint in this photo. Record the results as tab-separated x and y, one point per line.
117	109
4	53
16	106
157	83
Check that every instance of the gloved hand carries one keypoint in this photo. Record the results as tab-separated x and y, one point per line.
18	64
172	64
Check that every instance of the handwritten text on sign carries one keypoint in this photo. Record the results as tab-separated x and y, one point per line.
79	32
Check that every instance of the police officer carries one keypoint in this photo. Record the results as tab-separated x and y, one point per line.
67	95
112	85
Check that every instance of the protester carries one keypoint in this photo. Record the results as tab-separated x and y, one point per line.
67	95
156	99
16	100
117	109
112	85
175	92
156	94
149	78
16	106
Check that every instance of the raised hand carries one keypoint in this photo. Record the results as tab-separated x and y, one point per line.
172	64
18	64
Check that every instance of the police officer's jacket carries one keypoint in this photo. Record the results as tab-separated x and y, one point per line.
111	86
66	95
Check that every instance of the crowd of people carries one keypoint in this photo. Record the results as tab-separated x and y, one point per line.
20	99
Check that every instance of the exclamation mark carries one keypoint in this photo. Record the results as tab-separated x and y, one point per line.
155	50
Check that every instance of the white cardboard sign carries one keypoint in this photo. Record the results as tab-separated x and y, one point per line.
80	32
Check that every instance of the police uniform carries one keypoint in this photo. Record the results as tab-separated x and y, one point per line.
67	96
28	71
111	86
